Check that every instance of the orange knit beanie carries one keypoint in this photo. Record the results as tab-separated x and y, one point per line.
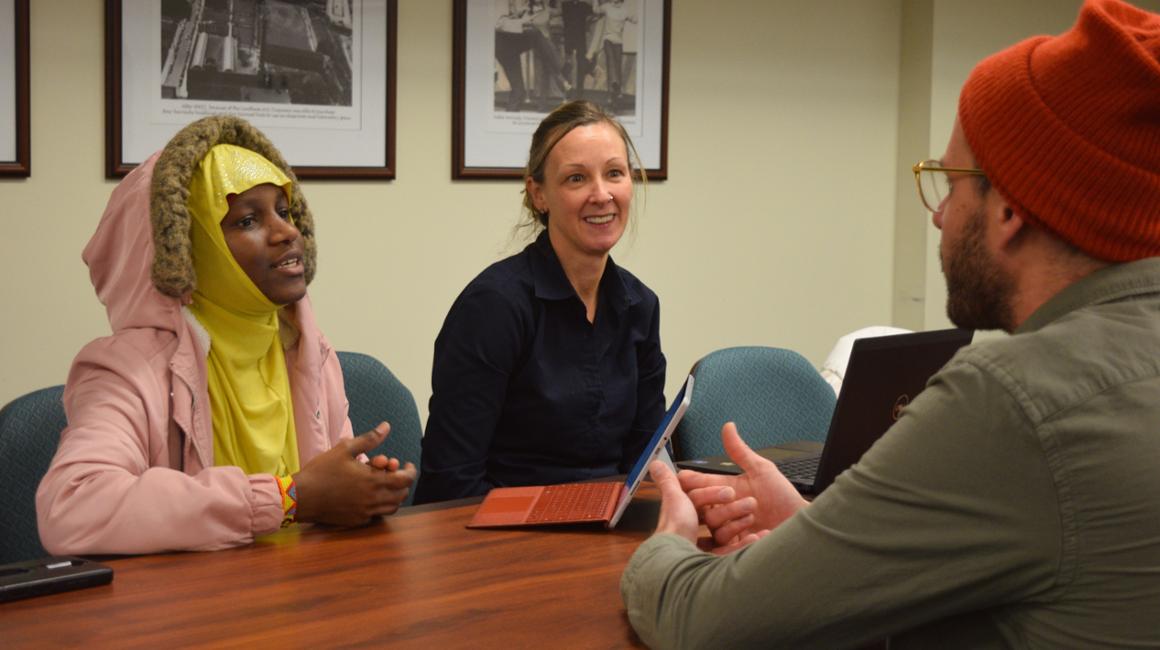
1067	129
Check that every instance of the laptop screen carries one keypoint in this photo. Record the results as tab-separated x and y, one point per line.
661	437
885	373
654	449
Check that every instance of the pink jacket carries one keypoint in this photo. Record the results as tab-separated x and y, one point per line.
135	472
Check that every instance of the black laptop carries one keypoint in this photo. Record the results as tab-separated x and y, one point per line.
884	374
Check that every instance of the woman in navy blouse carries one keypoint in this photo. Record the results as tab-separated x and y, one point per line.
548	368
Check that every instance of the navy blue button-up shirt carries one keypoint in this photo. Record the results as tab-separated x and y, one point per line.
527	392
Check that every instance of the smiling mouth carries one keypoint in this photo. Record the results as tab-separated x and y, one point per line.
288	263
600	220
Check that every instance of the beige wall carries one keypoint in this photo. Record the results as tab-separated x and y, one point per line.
777	227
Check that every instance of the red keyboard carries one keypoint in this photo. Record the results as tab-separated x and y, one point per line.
574	502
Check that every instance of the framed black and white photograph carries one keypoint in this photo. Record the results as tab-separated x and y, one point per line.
516	60
15	156
317	76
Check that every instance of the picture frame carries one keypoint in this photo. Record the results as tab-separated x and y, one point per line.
318	81
612	52
15	127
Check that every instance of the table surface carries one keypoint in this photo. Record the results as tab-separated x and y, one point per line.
416	578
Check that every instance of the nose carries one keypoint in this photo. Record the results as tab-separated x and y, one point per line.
600	194
283	231
936	217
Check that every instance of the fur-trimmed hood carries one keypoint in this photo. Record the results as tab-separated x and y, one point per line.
172	265
142	244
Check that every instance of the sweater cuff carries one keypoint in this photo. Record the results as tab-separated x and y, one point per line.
644	578
265	504
643	583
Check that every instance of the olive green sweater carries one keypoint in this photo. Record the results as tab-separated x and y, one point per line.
1016	503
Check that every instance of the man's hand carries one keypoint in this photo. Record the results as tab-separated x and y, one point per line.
679	516
336	488
677	512
761	496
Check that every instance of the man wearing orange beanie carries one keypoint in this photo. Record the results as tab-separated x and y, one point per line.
1016	502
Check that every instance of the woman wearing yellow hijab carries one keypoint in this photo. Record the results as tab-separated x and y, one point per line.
216	410
237	201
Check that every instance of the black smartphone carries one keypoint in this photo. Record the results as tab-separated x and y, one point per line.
50	575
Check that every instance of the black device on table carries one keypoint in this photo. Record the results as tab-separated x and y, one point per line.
50	575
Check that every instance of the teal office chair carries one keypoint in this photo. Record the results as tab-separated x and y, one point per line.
774	395
30	429
376	395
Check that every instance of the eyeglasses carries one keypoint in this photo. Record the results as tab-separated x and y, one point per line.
934	181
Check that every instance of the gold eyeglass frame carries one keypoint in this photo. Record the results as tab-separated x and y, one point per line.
934	167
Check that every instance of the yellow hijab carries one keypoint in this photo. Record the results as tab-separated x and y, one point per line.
249	388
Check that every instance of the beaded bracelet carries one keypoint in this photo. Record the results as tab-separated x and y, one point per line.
289	491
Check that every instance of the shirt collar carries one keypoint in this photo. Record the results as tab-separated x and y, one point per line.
552	284
1109	284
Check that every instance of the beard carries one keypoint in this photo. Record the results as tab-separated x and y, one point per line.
978	291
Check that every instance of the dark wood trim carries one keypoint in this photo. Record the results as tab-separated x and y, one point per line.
21	167
114	168
458	82
662	172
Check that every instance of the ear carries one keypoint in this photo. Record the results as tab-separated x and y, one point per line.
535	190
1006	224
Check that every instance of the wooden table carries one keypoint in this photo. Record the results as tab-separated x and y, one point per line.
416	579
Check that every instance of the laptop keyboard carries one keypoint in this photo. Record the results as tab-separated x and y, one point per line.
573	502
800	470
